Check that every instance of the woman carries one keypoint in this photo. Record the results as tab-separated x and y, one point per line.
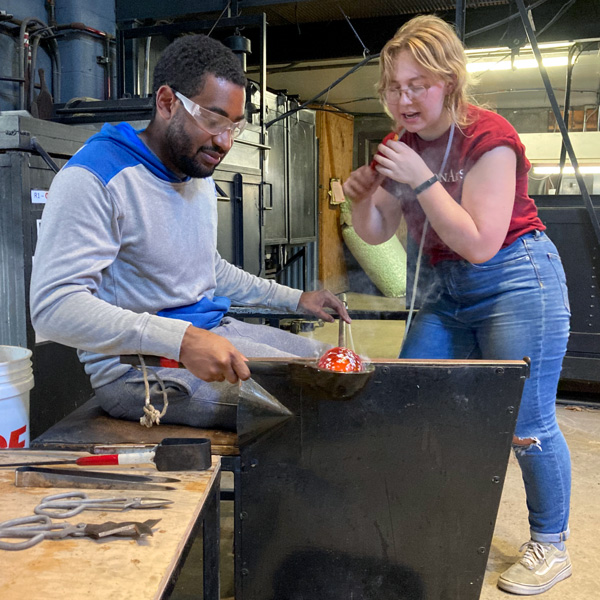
458	174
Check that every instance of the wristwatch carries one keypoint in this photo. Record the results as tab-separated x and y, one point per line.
425	185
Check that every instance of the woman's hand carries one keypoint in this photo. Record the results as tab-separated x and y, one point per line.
401	163
362	184
376	213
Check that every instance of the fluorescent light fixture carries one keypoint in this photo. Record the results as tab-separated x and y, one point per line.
505	49
555	170
507	65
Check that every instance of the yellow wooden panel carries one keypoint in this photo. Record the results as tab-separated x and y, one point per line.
335	132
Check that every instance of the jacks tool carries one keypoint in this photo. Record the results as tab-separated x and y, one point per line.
74	478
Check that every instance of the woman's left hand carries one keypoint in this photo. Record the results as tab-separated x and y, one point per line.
402	164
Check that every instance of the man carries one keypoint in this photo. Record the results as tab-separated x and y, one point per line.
126	261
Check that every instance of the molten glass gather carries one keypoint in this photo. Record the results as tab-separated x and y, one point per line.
340	359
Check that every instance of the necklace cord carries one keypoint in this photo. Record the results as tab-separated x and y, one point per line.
422	244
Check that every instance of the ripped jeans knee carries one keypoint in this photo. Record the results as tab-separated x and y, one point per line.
522	446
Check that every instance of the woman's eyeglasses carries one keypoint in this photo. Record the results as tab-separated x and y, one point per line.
393	95
210	121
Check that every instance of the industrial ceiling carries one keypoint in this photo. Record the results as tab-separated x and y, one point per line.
310	43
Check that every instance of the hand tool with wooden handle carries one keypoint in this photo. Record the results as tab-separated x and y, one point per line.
74	478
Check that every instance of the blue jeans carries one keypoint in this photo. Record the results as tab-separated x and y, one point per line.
512	306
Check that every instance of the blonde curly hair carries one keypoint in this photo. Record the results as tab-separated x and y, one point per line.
434	45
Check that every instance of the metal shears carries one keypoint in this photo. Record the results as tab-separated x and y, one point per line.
40	527
69	504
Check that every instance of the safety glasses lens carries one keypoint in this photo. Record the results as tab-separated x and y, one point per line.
211	122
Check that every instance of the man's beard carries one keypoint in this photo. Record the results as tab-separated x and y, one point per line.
178	146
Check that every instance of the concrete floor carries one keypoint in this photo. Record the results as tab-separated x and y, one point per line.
581	427
580	423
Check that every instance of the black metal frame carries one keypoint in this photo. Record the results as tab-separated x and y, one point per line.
581	361
529	30
207	526
460	18
569	227
234	464
354	497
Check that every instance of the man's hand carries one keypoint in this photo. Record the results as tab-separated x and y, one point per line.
314	302
211	357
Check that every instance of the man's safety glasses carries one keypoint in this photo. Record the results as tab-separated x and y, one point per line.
210	121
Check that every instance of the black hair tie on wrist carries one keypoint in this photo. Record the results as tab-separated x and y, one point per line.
426	185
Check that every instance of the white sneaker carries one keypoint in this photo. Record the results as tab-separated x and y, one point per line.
542	566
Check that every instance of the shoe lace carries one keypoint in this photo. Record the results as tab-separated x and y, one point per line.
534	554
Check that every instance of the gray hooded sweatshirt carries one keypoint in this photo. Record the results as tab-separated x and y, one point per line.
123	238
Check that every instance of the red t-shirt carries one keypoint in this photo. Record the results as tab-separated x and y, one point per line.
487	131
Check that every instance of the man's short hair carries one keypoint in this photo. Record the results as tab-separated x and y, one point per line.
184	64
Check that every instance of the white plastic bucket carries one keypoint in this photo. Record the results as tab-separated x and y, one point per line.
16	380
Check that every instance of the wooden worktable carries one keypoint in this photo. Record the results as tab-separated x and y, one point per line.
115	568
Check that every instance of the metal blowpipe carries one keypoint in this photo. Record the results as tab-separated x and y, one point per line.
344	327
